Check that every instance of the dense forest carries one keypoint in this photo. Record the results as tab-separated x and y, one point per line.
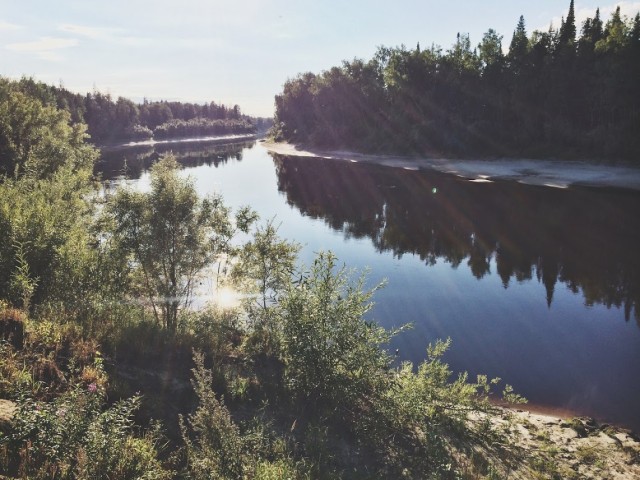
571	91
119	120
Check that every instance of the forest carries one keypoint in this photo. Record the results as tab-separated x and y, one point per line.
569	92
121	120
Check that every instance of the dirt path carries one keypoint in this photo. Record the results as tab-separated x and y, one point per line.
553	173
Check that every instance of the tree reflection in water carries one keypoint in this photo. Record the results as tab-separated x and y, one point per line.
588	239
131	162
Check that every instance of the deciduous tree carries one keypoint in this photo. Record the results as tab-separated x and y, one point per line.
172	236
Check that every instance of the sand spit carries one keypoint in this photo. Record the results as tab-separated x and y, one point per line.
552	173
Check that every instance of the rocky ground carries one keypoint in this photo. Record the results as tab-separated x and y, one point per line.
545	447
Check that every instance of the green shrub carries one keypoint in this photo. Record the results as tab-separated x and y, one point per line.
333	357
217	447
73	437
216	451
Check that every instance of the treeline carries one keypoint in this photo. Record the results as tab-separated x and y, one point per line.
199	127
554	93
110	120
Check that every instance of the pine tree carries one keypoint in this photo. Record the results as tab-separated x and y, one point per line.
596	27
519	47
568	28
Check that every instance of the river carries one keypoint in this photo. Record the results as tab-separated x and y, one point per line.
536	285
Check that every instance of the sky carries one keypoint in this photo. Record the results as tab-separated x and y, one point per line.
238	51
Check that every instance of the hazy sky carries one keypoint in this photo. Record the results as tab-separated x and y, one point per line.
237	51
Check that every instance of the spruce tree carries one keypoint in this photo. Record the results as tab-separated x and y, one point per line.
568	28
519	47
596	27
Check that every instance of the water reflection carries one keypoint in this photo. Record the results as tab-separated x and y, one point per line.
131	162
587	239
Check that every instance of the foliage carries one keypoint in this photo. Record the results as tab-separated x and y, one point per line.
138	133
111	120
48	168
215	446
552	94
417	424
36	139
41	240
73	437
218	450
332	355
172	236
263	269
200	127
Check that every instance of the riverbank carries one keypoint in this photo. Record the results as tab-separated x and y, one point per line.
208	139
551	173
545	446
532	446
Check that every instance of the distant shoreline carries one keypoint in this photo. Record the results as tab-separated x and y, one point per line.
152	142
550	173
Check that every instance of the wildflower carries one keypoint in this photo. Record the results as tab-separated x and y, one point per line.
93	388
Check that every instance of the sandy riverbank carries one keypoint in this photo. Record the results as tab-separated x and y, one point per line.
206	139
546	446
553	173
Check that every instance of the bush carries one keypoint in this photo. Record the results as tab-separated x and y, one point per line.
199	127
138	133
216	446
12	326
217	450
73	437
332	356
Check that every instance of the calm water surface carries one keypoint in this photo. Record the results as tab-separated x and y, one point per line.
538	286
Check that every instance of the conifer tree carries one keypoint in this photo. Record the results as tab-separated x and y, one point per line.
568	28
596	27
519	47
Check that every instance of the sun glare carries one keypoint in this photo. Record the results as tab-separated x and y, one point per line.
225	297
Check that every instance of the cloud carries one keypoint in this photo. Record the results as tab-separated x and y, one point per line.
46	48
6	26
118	36
90	32
115	36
